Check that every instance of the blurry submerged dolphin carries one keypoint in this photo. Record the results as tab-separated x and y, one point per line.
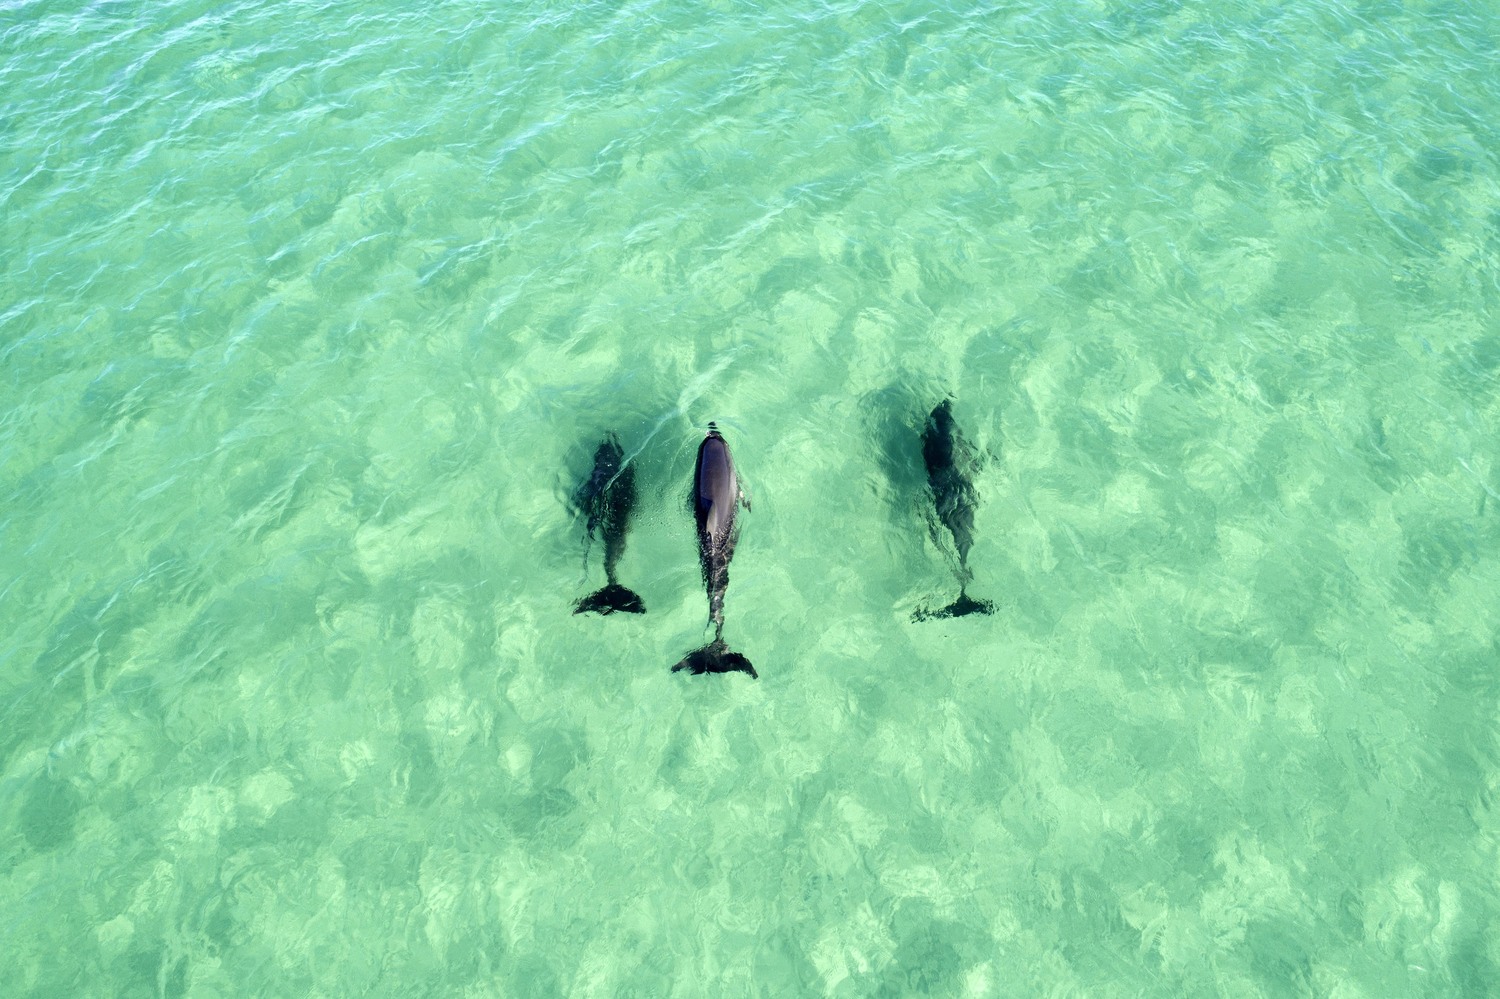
950	461
715	498
608	497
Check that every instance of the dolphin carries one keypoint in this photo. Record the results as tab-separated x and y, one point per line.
715	498
950	461
608	497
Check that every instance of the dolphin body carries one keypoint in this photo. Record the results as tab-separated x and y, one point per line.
608	497
715	498
950	460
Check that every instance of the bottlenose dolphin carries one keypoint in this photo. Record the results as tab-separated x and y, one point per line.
608	497
715	497
950	461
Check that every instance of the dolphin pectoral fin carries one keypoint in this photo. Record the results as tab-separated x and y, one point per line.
611	598
715	657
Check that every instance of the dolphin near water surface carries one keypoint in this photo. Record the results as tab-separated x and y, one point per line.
715	500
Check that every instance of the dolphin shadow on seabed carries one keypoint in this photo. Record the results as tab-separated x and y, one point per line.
608	499
951	463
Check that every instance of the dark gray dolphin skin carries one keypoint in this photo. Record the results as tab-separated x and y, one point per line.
715	498
608	497
950	460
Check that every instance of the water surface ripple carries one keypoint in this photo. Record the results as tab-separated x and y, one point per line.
312	314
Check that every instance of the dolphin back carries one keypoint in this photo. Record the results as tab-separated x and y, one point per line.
715	495
592	495
949	459
716	490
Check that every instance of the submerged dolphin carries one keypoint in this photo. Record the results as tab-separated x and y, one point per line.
949	460
608	497
715	498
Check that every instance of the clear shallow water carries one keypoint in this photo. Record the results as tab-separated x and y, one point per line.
311	316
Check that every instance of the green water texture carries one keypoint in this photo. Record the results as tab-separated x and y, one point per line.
312	314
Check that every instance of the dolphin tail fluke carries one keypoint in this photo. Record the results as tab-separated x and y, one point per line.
716	657
613	597
965	604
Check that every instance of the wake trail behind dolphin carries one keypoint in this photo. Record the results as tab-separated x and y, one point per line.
690	394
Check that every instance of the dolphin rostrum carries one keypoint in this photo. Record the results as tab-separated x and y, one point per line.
608	497
950	461
715	497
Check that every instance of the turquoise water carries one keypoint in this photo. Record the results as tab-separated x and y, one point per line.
311	316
